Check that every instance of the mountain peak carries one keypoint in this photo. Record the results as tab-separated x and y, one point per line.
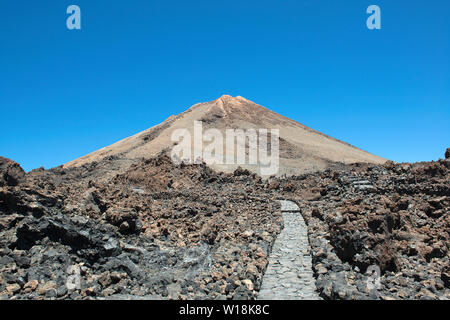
302	149
229	103
228	98
225	97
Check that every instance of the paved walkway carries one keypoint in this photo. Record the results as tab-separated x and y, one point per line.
289	275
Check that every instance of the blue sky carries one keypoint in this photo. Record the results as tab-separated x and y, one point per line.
134	63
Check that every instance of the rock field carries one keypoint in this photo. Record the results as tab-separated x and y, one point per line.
160	231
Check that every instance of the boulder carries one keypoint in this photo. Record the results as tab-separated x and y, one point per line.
11	173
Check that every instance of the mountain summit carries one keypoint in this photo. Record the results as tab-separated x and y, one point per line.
301	149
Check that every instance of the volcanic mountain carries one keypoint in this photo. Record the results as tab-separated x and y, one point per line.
301	149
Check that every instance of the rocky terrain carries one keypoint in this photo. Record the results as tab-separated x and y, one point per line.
161	231
394	216
155	231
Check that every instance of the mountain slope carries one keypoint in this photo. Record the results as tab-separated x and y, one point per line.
302	149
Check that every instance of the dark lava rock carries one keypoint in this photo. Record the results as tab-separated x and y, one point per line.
11	173
185	231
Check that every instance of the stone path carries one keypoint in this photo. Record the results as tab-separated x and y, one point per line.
357	182
289	275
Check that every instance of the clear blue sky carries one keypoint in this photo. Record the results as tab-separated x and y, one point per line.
66	93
